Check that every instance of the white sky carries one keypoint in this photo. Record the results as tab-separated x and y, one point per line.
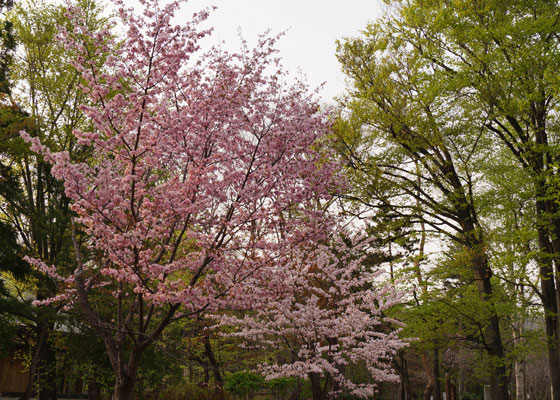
313	27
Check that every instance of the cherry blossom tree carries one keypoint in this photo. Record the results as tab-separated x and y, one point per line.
202	177
330	316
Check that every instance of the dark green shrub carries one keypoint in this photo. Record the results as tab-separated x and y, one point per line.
281	387
191	391
243	383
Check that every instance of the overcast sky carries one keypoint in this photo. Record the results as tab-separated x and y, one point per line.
313	26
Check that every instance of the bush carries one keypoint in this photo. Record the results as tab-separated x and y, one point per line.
192	391
243	383
282	386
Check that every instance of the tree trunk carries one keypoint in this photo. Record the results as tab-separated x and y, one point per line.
316	390
492	337
127	375
41	333
549	296
520	386
435	366
401	367
218	381
47	370
549	246
124	387
406	393
429	389
206	375
493	341
476	246
296	391
450	391
428	370
554	286
94	391
519	370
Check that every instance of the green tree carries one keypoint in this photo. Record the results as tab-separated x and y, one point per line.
244	384
508	207
406	154
34	212
503	57
7	47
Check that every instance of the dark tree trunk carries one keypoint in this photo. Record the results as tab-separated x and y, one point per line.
296	391
471	237
492	337
405	380
478	259
540	161
550	280
549	298
126	377
429	389
402	369
536	157
47	370
437	385
317	392
213	363
94	391
124	387
41	333
450	391
206	375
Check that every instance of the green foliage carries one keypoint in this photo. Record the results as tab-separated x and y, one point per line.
243	383
469	396
434	87
8	333
34	212
7	48
450	122
160	367
81	351
191	391
283	386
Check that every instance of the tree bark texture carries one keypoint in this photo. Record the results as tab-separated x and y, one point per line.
519	366
549	295
47	370
218	381
492	337
127	375
94	390
435	369
317	391
428	369
41	334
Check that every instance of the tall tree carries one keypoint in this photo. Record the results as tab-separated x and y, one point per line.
406	155
7	48
504	55
34	211
508	206
198	159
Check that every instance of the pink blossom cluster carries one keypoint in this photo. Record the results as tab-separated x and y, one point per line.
202	167
331	314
